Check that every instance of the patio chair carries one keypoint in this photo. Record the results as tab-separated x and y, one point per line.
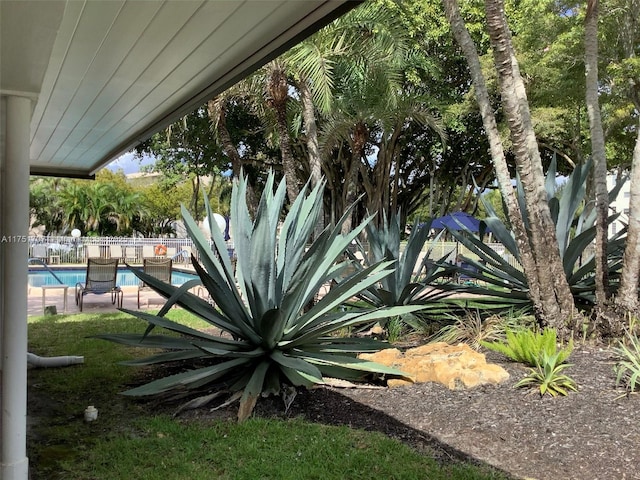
116	252
148	251
131	254
93	251
101	279
40	252
159	268
463	274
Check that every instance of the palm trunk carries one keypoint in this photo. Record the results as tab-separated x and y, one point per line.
628	292
218	115
597	151
278	89
555	295
497	151
315	160
360	134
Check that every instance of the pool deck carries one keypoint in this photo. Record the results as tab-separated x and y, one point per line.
92	303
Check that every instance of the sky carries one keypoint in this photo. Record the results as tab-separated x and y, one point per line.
128	163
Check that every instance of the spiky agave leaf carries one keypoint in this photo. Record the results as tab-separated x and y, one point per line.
268	338
574	232
416	279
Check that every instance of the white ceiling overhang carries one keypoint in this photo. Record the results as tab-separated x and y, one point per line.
106	75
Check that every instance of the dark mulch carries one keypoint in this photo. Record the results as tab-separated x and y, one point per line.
592	434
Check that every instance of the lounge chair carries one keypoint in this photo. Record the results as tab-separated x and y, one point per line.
101	279
131	254
159	268
148	251
93	251
116	252
40	252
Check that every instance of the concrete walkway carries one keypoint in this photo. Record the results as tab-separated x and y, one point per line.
91	303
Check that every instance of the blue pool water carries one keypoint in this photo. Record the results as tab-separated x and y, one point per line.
70	277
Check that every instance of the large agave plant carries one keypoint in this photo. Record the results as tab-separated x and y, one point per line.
416	279
268	338
575	231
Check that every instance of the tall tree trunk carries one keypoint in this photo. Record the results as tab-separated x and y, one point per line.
555	295
597	151
497	151
381	196
313	149
217	109
628	292
195	185
278	90
360	134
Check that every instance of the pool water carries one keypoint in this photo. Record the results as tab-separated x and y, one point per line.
70	277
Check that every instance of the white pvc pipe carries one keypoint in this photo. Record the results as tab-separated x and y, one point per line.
14	226
53	362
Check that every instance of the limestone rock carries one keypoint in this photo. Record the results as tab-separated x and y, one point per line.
455	366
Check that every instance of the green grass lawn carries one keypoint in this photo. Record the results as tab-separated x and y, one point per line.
135	440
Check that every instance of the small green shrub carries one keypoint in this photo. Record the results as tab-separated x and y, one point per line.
547	376
540	351
627	370
530	347
395	329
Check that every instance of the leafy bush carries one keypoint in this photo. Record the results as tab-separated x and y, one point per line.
530	347
547	376
269	340
627	370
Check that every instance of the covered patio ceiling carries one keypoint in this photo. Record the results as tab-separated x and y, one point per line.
106	75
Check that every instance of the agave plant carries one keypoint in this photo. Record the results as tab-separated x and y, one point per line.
575	231
528	346
627	369
269	342
416	279
547	376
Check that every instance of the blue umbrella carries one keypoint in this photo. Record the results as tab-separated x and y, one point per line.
457	221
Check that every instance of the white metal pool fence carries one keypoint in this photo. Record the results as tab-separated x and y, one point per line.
69	250
64	249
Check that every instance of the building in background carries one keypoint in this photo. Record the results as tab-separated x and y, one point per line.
621	203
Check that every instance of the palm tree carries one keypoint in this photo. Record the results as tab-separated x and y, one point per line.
75	204
367	39
597	151
277	97
498	158
126	206
44	204
556	298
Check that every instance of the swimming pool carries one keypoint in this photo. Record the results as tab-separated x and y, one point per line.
70	277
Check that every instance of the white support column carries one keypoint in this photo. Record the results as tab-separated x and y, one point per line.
14	227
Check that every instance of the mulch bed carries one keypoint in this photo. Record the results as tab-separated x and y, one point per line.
592	434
